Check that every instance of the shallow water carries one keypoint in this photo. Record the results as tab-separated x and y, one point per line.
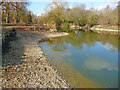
85	59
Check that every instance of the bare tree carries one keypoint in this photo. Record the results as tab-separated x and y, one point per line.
55	11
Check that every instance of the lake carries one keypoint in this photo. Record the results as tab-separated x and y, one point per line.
85	59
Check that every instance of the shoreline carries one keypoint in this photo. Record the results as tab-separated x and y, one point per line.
107	31
100	30
30	68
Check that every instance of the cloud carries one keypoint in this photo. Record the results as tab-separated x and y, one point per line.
65	0
66	53
76	0
70	7
30	9
102	7
96	63
109	47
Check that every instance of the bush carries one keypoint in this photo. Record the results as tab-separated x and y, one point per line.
66	27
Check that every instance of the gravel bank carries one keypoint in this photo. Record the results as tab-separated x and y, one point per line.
101	30
25	64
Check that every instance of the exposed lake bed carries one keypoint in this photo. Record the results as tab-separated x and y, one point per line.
26	66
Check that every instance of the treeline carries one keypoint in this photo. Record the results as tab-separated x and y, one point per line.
16	12
59	15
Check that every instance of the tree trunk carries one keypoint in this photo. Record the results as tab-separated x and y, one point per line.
78	23
17	18
7	18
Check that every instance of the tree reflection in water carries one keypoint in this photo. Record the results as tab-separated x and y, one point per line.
79	39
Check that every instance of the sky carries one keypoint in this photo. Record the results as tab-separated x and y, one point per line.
38	6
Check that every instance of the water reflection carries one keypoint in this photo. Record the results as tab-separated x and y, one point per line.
91	56
96	63
110	47
82	38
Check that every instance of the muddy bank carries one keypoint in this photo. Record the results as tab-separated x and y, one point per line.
25	64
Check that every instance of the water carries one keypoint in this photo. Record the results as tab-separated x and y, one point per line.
85	59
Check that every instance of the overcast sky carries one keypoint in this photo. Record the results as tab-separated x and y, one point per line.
38	6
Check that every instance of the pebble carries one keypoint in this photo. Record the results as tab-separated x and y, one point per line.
29	68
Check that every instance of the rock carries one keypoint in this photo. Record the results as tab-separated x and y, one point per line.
53	30
45	69
35	71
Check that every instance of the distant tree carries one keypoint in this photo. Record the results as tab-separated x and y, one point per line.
108	16
118	13
115	16
92	17
29	17
14	11
55	12
77	15
34	18
6	8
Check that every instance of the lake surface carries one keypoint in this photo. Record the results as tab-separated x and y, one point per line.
85	59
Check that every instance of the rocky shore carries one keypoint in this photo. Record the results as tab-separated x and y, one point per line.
26	66
106	31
